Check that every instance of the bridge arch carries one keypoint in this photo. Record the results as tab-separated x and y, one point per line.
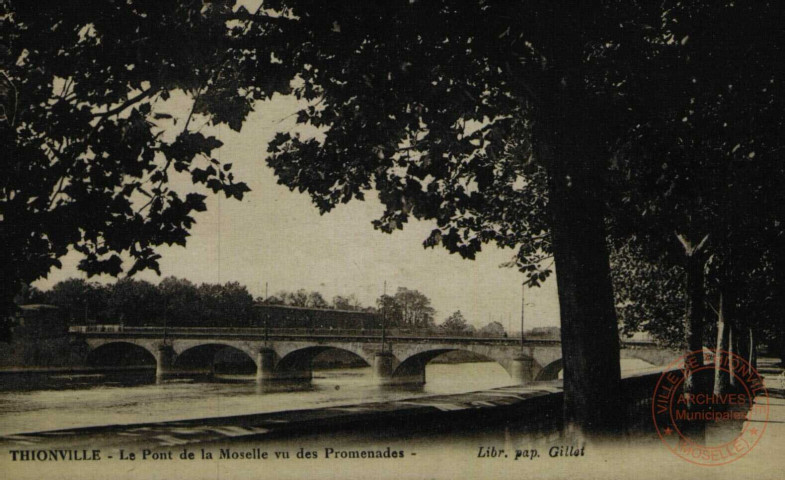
299	363
550	371
216	358
629	363
120	354
412	368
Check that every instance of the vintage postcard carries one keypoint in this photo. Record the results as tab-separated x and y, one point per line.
422	239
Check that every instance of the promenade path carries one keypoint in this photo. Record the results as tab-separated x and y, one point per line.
771	448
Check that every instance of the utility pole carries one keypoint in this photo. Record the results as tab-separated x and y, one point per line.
523	310
521	368
384	314
166	307
509	322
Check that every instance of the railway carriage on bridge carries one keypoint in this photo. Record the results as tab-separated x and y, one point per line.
284	316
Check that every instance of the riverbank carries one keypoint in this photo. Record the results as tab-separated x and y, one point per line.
491	433
539	404
542	401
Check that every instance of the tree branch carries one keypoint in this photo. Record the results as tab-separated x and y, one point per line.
104	115
689	248
126	104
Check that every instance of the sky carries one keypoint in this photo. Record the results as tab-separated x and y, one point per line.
277	238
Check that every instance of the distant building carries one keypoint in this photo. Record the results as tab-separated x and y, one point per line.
40	321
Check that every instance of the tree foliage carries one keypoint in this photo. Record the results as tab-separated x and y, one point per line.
462	114
533	125
174	302
456	324
91	133
650	295
699	183
408	308
350	302
492	329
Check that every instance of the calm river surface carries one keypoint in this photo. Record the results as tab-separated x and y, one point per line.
59	401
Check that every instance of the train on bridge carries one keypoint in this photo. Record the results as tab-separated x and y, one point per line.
289	320
284	316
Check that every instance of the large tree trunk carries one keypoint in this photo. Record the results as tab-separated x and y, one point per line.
569	141
721	379
589	326
589	330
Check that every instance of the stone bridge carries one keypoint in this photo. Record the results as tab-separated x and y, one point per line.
289	357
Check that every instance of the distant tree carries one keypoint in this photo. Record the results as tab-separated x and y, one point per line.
346	303
415	308
134	302
316	300
455	324
340	303
180	302
271	300
229	304
389	309
294	299
300	298
81	301
210	304
492	329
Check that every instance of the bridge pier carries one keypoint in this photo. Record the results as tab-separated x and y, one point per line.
164	361
265	365
387	373
383	367
522	369
269	369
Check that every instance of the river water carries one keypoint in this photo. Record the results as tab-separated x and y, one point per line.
60	401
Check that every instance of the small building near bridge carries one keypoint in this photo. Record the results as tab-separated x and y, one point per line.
40	321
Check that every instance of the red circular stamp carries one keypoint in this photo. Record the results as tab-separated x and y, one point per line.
700	426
